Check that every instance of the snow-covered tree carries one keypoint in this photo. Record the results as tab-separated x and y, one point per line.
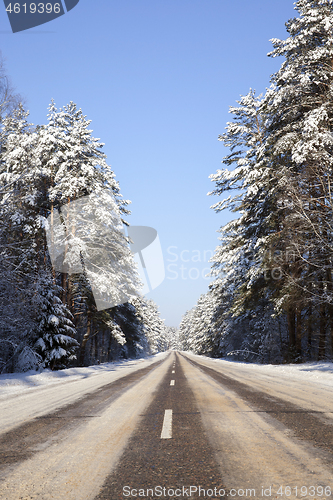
83	186
153	325
241	255
54	332
301	145
278	252
240	261
172	338
9	98
84	218
20	250
61	206
197	330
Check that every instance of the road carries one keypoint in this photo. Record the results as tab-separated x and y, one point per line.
179	427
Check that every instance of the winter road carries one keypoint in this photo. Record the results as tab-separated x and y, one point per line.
179	427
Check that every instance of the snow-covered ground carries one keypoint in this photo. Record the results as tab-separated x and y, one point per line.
319	371
18	383
24	396
72	461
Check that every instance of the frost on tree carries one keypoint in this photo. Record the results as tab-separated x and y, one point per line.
152	327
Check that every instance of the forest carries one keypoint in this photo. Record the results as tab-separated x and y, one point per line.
271	300
49	317
271	297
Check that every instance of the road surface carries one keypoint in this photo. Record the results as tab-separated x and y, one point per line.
179	427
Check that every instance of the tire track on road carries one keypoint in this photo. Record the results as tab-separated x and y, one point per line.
252	447
185	459
22	444
308	425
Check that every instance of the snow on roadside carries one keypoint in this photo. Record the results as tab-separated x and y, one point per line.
18	383
316	371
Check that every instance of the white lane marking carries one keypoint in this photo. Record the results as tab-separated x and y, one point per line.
167	425
172	382
173	371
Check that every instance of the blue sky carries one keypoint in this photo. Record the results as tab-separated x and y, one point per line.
156	77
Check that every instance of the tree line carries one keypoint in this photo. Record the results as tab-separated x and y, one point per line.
272	295
49	317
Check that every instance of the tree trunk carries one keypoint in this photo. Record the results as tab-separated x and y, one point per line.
298	340
64	287
331	328
85	339
309	338
291	327
322	332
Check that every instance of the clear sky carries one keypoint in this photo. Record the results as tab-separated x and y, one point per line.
156	77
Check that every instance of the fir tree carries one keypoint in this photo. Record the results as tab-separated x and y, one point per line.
54	331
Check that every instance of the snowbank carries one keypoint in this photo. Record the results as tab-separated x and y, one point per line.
319	371
18	383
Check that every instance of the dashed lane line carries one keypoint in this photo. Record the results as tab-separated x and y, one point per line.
172	382
167	425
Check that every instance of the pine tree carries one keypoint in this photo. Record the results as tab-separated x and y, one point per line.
240	262
185	330
300	145
279	250
243	253
83	188
172	338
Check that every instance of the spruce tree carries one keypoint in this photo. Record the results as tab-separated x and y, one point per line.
54	332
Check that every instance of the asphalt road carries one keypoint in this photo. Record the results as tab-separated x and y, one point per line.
184	427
